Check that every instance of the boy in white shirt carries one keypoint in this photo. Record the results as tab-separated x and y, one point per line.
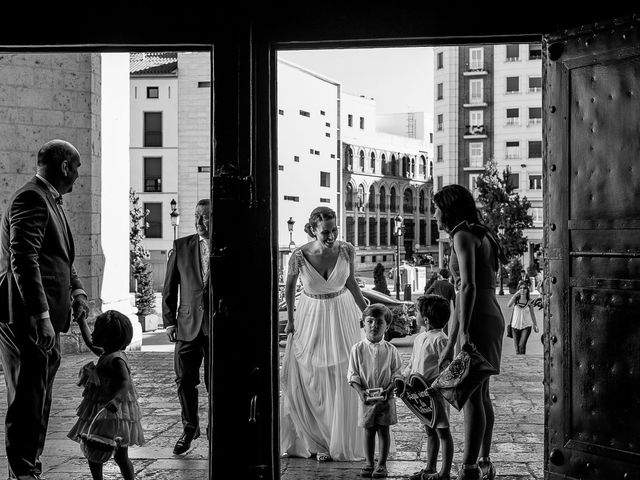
433	314
374	366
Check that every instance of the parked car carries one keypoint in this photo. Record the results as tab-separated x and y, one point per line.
404	314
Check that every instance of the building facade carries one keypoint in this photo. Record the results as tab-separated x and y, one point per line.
170	138
488	106
331	153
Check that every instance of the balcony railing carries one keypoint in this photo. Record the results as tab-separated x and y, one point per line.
475	130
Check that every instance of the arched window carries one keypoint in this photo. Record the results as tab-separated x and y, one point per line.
423	167
392	200
394	166
372	199
348	203
407	201
348	153
373	162
360	199
413	167
383	199
383	164
361	160
430	168
405	166
421	202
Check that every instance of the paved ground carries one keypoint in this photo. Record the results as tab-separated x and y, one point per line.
518	435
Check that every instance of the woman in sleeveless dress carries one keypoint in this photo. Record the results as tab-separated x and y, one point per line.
478	318
318	409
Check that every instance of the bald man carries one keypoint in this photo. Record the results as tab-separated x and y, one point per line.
39	292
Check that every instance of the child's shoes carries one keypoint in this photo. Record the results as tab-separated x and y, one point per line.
366	471
469	472
380	472
487	470
424	471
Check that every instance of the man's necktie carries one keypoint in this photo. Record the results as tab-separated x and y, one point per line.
204	258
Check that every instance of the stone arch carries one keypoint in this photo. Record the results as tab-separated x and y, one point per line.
407	200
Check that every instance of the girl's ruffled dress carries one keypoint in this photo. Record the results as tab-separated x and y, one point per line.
99	387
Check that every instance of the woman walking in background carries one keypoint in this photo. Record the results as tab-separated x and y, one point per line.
523	318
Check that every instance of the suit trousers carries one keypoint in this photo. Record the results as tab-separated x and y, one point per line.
29	373
188	357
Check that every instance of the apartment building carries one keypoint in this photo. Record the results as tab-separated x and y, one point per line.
170	138
488	106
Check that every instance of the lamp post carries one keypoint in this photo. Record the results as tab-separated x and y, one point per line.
290	223
175	217
501	232
398	233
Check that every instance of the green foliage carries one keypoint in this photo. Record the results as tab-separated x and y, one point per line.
380	283
145	296
515	267
501	205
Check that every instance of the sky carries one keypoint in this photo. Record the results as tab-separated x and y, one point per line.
399	79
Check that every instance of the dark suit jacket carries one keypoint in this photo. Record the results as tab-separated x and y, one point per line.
183	270
36	259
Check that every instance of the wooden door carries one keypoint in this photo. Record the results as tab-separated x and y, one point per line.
591	167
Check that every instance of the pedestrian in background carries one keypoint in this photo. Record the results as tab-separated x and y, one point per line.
475	257
39	292
523	317
109	385
374	367
185	315
443	287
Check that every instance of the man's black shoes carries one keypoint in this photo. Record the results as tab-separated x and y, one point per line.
184	442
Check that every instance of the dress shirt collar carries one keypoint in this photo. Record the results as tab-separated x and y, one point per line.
370	343
202	239
51	188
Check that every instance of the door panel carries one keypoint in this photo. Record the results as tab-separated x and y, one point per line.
592	228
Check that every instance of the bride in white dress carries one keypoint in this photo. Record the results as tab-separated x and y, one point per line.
318	410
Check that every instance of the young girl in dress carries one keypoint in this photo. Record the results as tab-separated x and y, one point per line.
108	384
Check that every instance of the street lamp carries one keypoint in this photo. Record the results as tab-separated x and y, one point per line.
175	217
290	223
501	232
398	233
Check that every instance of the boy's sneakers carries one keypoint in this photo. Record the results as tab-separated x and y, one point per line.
424	471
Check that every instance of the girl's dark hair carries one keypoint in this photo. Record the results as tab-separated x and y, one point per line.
457	205
318	215
117	328
378	310
435	309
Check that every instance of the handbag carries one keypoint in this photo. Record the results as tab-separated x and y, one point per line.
463	375
509	331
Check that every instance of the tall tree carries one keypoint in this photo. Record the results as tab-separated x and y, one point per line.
500	204
145	299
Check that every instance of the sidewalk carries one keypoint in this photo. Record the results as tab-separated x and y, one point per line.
518	436
518	441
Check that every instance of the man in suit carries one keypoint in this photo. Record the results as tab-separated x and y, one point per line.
39	292
187	321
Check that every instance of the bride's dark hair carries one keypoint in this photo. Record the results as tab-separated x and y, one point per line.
319	214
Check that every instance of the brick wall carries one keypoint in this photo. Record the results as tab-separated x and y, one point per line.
47	96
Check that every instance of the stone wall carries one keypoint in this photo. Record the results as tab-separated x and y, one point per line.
47	96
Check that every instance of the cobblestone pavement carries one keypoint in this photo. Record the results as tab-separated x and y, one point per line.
154	379
518	436
517	450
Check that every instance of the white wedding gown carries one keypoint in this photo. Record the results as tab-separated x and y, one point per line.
318	408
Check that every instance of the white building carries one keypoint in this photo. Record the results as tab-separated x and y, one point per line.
487	105
170	138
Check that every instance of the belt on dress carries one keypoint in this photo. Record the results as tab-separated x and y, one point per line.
324	296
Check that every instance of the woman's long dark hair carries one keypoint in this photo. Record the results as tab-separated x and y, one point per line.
457	205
